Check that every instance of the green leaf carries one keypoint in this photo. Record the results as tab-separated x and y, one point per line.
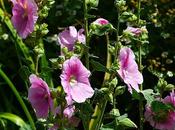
13	118
148	95
92	3
115	112
120	90
98	66
109	126
127	123
158	106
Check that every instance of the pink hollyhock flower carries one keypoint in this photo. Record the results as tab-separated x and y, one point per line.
134	31
129	70
39	96
162	120
101	21
24	16
75	82
70	36
69	111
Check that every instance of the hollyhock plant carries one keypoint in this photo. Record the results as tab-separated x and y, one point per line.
70	36
39	96
129	69
75	82
101	21
24	16
164	119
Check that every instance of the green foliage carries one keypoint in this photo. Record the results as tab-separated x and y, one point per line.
16	120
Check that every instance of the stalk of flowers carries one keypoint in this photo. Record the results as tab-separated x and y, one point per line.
162	118
24	16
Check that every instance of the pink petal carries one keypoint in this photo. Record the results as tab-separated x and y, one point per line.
81	92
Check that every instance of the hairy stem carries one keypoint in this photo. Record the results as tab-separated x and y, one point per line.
86	33
95	123
117	34
13	88
140	68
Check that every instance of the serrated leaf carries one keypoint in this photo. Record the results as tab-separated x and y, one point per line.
148	95
158	106
127	123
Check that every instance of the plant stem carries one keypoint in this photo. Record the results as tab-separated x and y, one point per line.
95	123
117	34
2	4
37	60
86	33
140	68
13	88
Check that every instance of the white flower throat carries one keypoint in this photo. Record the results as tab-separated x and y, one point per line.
73	80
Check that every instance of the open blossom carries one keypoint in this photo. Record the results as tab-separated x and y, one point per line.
24	16
164	120
39	96
70	36
75	82
129	69
101	21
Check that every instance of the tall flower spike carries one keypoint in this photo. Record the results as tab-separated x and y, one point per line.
24	16
75	82
129	70
39	96
69	36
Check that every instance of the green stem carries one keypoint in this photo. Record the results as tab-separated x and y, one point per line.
117	34
4	76
86	33
2	4
140	68
17	39
95	122
37	60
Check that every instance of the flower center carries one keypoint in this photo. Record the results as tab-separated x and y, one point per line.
73	80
